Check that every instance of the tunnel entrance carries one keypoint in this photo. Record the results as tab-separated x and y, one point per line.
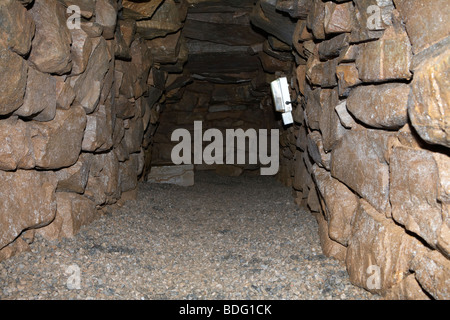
93	93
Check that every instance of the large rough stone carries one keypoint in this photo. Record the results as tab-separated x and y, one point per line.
17	27
330	247
64	93
182	175
316	151
425	21
432	270
88	85
330	125
75	178
57	143
128	172
139	10
106	16
50	51
73	212
380	253
13	80
165	20
388	58
28	201
103	184
40	97
99	130
80	51
16	150
348	77
338	17
407	289
414	192
340	205
358	160
322	74
134	134
429	108
384	106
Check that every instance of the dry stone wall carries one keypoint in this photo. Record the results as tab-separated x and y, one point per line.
78	109
368	153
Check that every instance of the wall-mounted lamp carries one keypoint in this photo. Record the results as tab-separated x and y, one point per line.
282	99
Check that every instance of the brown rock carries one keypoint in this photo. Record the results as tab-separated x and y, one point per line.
338	17
103	184
384	106
330	125
106	16
229	170
432	271
379	252
182	175
165	20
57	143
348	77
75	178
316	19
73	212
417	14
414	186
322	74
13	80
271	64
340	205
365	26
128	172
139	10
17	27
301	174
16	150
87	7
88	85
330	247
407	289
358	160
165	50
429	109
40	97
332	48
315	150
345	117
81	50
28	201
50	51
64	93
388	58
99	130
17	246
313	109
134	134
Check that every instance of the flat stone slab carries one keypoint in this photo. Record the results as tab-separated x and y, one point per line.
182	175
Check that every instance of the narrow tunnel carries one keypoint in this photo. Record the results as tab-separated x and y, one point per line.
224	149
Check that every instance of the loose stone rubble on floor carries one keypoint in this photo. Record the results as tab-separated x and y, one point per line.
224	238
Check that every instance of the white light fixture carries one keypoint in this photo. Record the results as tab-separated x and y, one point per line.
282	99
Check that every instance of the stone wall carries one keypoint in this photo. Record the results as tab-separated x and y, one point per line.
369	151
85	112
78	109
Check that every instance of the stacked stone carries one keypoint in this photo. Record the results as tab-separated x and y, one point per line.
78	109
368	153
223	81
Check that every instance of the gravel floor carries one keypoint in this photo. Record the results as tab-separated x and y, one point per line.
224	238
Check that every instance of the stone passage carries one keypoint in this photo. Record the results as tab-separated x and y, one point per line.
224	238
92	90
